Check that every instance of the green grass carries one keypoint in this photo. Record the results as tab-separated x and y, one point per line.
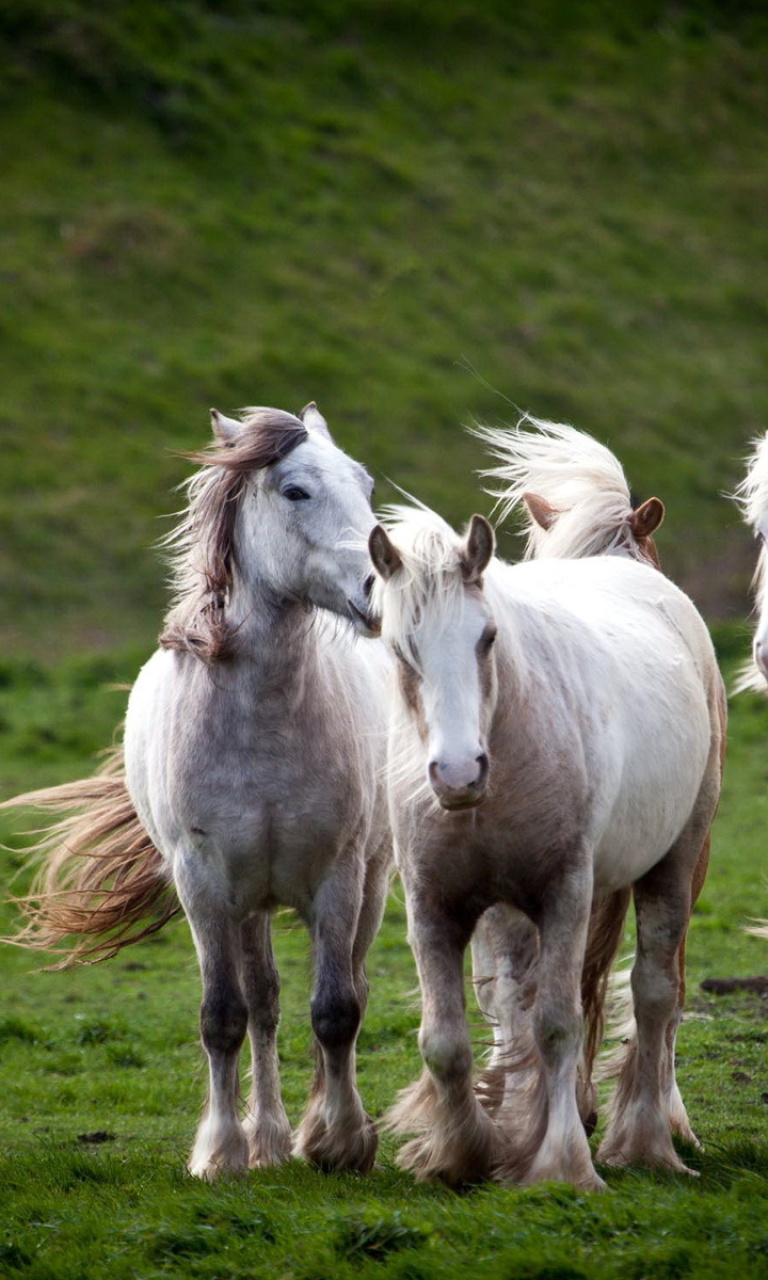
102	1081
414	214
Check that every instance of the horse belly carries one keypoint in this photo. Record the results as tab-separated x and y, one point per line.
659	786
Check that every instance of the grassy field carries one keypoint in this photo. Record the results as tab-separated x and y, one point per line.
416	215
102	1081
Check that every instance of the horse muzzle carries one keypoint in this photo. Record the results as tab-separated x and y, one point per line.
459	787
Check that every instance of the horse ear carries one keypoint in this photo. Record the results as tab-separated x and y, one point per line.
647	518
314	420
225	429
541	512
480	546
384	554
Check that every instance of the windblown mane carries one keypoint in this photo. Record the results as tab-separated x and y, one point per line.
751	497
202	546
576	475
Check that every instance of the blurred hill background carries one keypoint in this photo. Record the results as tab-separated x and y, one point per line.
417	214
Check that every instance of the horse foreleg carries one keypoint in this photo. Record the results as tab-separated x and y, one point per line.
377	875
335	1132
220	1145
266	1123
556	1147
456	1140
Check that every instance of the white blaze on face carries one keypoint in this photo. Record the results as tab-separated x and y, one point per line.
453	699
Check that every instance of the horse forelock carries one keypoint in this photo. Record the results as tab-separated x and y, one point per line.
429	581
202	546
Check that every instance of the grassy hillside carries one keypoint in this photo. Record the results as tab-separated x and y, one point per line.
102	1083
413	214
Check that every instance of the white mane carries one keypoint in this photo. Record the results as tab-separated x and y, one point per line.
576	475
751	497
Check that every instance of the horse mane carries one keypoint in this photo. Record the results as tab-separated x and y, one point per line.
575	475
202	546
751	497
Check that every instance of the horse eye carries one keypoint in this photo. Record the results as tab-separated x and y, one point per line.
294	494
487	639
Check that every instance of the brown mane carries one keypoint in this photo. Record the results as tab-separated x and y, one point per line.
202	547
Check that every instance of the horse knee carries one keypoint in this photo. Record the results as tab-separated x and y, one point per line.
447	1057
558	1034
336	1018
223	1021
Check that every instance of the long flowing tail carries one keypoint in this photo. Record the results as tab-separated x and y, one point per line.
573	492
101	883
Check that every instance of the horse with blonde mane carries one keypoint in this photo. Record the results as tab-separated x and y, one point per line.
555	742
249	778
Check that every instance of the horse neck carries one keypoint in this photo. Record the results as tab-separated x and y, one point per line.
275	636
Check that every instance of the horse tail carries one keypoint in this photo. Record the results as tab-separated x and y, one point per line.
100	879
606	930
572	490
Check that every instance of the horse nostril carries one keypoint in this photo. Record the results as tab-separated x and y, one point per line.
482	776
368	586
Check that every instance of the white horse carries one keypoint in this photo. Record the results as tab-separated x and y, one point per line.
576	502
555	738
752	499
253	753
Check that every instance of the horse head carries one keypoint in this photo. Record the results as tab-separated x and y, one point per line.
437	622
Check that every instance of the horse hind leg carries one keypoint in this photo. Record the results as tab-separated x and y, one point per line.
647	1106
266	1124
335	1132
673	1102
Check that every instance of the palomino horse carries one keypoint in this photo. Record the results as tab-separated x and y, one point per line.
253	752
555	738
